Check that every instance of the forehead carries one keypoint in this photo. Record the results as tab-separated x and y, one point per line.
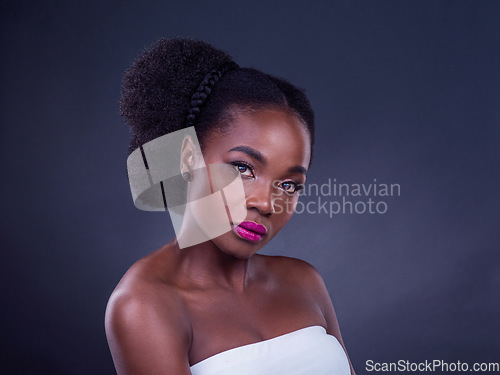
278	135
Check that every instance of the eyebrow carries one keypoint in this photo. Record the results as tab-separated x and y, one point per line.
251	152
298	169
261	159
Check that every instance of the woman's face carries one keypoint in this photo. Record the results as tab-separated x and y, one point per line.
271	150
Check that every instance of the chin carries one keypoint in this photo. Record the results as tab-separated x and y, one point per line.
230	244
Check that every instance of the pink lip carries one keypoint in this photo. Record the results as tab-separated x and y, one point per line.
250	230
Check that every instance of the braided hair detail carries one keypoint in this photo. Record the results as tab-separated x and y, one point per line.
201	94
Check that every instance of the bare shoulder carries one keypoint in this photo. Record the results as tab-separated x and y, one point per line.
145	320
296	271
303	276
143	286
139	292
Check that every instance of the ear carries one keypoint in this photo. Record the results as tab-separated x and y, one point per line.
188	155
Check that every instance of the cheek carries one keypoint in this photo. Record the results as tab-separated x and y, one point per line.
227	181
284	206
216	198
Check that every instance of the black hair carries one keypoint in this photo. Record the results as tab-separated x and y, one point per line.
176	83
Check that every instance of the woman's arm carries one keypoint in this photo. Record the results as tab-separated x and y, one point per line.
328	310
147	336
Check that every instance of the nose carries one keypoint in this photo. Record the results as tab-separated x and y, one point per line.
260	198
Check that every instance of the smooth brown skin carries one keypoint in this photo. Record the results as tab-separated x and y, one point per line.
176	307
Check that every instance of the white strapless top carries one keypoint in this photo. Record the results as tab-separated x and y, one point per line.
307	351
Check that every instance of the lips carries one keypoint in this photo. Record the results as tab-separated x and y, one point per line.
250	231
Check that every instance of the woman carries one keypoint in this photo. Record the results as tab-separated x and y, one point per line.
213	305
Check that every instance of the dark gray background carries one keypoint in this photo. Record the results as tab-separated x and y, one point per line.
405	92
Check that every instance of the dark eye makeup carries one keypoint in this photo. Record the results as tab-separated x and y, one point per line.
247	170
243	168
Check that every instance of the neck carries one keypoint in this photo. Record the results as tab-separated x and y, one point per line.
206	265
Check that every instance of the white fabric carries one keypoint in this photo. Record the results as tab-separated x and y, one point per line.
307	351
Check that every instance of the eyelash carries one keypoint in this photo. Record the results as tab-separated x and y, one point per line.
298	186
236	164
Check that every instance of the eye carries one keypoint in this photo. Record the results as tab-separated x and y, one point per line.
243	168
291	187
